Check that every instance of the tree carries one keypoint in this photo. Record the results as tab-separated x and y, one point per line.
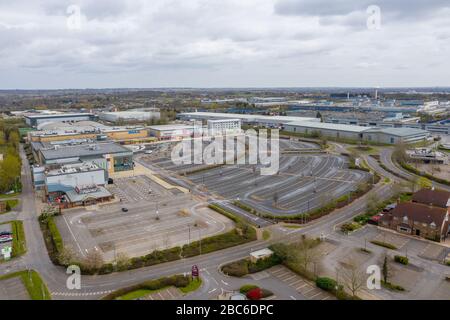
304	253
66	256
354	276
371	202
399	153
386	270
93	260
9	171
122	261
275	198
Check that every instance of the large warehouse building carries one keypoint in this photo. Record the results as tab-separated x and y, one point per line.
130	116
250	119
34	120
358	133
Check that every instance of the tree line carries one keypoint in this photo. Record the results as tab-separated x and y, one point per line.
10	163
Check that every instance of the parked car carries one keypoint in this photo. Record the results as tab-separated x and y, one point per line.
124	209
6	238
5	233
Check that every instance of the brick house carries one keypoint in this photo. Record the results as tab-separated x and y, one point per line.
426	216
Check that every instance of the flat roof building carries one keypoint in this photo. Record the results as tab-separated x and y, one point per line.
136	115
353	132
34	120
110	156
252	119
175	131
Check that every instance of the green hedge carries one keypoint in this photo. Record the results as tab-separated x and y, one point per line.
178	281
326	284
243	267
56	236
424	174
19	246
384	244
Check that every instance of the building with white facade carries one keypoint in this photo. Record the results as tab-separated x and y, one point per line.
175	131
132	115
224	127
249	119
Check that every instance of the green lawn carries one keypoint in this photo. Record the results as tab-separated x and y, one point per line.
137	294
266	234
192	286
36	287
12	195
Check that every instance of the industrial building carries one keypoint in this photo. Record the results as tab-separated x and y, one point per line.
130	116
224	127
249	119
435	128
59	131
34	120
359	133
107	155
175	131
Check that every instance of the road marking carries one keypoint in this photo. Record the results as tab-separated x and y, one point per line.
225	283
293	298
211	291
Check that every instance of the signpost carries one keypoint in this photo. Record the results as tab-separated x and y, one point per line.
6	252
194	271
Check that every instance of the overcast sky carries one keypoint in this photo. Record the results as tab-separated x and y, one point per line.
223	43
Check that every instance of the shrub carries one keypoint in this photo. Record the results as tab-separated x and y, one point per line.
384	244
326	284
236	269
254	294
350	226
401	259
56	236
391	286
247	287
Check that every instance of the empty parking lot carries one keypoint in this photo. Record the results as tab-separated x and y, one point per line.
156	220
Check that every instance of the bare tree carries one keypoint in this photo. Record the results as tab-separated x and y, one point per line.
305	253
122	261
354	276
66	256
93	259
